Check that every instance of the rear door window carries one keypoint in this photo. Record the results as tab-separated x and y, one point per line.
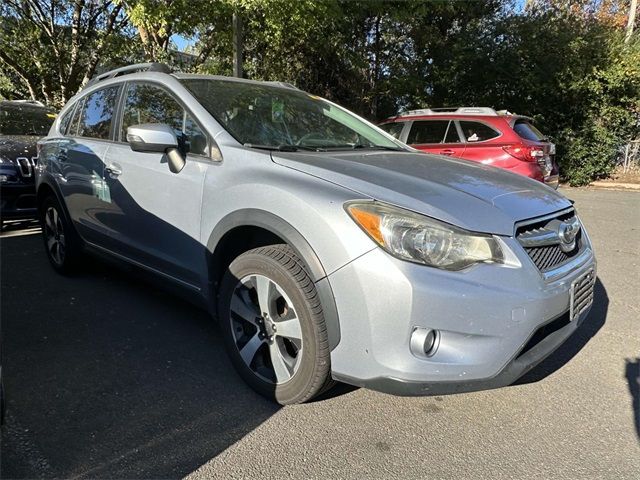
477	132
428	131
97	113
394	128
527	131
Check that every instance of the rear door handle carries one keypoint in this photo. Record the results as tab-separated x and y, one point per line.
113	170
446	152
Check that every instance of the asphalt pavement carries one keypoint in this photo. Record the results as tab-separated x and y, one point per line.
108	376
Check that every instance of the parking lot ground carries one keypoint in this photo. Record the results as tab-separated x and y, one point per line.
108	377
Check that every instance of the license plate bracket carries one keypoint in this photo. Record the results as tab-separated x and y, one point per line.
582	293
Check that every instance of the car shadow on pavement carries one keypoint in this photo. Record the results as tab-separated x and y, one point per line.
632	373
587	330
107	376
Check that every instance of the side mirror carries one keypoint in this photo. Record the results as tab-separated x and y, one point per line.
157	138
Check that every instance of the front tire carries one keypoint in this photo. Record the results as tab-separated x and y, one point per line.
60	239
273	325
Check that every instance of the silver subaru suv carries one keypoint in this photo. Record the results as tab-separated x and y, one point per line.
326	249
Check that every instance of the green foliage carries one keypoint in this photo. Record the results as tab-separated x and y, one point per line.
50	48
611	116
571	71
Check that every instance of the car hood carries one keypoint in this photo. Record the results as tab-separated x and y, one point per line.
12	146
467	194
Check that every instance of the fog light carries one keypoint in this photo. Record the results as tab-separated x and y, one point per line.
424	342
4	178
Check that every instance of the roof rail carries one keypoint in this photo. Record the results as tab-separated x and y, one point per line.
452	110
138	67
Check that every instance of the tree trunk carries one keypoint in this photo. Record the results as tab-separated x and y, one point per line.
238	46
633	9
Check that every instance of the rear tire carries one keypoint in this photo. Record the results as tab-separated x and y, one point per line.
61	242
273	325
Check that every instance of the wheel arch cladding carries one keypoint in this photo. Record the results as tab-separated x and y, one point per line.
268	228
48	188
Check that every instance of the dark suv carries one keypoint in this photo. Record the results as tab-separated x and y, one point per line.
22	123
500	139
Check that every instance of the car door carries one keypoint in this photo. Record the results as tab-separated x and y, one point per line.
452	145
80	159
154	215
438	136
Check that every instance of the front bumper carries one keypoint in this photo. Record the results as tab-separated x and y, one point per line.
487	318
526	360
17	201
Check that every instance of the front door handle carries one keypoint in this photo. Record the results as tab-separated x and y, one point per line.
113	171
446	152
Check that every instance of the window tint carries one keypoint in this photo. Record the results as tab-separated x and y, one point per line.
527	131
25	119
393	128
150	104
452	134
477	132
427	131
97	113
66	120
75	120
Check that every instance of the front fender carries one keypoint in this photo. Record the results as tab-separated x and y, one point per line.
276	225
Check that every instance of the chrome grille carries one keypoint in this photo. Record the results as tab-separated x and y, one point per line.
582	291
550	256
26	166
541	240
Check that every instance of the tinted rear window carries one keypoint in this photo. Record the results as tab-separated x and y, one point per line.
428	131
527	131
477	132
394	128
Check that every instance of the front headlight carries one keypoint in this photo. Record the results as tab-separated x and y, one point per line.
416	238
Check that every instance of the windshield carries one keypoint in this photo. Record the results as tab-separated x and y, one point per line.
266	116
22	120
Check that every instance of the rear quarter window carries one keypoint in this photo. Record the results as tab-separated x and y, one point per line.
65	121
477	132
72	130
527	131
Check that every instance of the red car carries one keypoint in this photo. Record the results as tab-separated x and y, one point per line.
500	139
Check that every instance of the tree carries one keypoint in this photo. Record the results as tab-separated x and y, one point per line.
51	48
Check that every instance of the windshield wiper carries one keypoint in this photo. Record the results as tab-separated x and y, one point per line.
379	147
280	148
285	147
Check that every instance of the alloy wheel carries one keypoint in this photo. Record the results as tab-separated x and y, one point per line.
54	235
266	329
